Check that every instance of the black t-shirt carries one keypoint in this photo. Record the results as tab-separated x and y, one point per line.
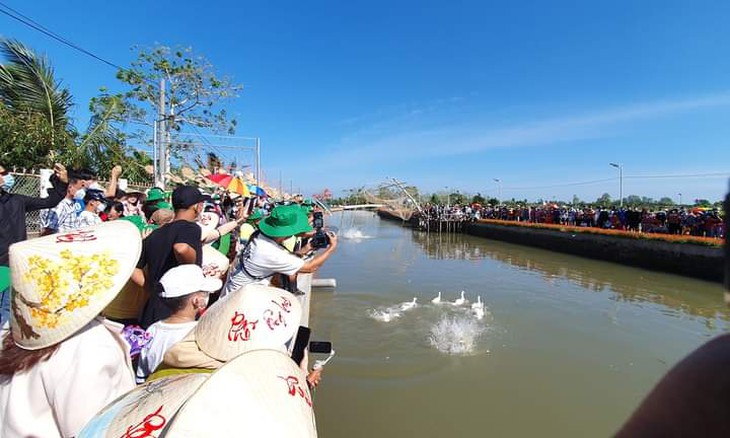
159	257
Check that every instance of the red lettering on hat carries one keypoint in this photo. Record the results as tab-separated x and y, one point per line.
241	328
295	388
76	236
272	320
144	428
285	304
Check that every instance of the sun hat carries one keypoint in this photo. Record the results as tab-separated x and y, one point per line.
186	279
63	281
146	410
185	196
260	393
256	215
285	221
156	194
253	317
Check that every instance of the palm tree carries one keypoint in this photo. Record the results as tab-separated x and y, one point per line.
28	86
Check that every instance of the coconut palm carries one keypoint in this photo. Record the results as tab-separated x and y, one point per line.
28	86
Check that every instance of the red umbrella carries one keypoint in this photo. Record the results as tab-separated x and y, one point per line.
222	179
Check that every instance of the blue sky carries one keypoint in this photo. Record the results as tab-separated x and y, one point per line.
540	95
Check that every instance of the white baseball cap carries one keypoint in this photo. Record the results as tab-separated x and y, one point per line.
186	279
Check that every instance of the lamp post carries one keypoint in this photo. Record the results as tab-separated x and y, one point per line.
499	190
448	196
680	199
620	182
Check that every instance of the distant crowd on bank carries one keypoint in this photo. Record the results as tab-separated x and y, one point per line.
693	221
126	288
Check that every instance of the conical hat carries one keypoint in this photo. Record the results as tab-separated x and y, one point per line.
260	394
63	281
208	222
254	317
145	409
213	258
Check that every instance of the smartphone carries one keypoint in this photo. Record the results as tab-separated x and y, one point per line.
301	342
322	347
249	205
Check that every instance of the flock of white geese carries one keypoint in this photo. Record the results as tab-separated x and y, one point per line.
477	307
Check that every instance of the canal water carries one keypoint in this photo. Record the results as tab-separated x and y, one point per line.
566	346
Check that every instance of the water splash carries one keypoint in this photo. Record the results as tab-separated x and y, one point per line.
456	334
386	314
353	234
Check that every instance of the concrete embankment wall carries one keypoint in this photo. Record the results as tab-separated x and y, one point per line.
690	260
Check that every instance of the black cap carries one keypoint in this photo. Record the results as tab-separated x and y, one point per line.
185	196
94	195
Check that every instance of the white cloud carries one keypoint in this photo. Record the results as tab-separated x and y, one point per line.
464	139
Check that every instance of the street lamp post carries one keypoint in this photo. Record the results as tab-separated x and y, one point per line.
680	199
620	182
448	197
499	189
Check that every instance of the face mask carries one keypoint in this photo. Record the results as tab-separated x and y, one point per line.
8	182
101	207
80	193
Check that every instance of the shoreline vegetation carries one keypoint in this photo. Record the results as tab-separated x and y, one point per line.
671	238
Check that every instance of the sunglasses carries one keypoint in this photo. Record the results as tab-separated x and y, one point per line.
4	173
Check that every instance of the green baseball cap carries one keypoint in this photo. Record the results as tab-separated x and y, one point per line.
285	221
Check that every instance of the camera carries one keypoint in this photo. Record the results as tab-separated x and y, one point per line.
320	239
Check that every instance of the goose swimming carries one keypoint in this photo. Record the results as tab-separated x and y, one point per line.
409	305
437	300
460	301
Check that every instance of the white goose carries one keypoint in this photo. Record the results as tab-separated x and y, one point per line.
478	312
408	305
460	301
478	304
437	300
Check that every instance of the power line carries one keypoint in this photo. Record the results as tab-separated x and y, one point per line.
16	15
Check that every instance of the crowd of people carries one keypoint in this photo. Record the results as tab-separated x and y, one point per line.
692	221
131	288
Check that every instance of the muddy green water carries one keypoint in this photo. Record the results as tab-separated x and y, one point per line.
567	347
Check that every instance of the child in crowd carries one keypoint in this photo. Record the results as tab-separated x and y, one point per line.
185	291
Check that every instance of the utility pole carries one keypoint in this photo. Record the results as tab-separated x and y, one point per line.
162	143
620	168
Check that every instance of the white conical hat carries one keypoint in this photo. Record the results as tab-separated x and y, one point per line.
213	259
262	393
145	409
208	222
63	281
254	317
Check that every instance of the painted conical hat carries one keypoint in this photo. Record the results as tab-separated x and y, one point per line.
254	317
145	409
262	393
63	281
212	258
208	222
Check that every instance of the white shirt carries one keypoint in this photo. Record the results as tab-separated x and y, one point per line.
163	336
87	219
58	396
265	258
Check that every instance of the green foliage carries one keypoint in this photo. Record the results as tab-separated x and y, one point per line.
479	199
192	89
604	200
27	86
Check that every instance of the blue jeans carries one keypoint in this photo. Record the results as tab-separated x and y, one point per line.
4	306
